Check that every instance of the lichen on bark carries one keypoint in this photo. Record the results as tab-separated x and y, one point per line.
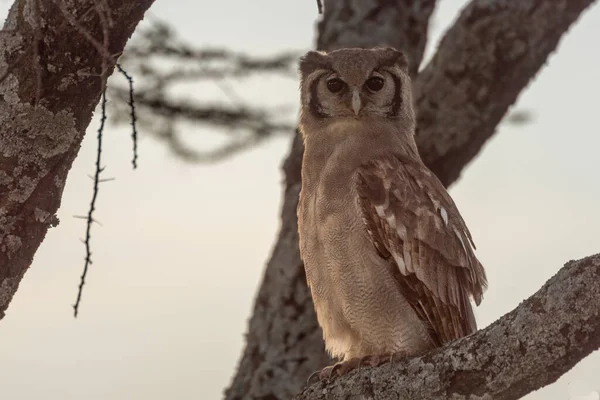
46	104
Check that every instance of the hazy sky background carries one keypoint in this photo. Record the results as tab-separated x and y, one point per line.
182	248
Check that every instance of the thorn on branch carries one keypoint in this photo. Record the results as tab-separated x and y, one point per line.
132	114
90	215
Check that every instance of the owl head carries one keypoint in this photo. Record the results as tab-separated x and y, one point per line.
370	85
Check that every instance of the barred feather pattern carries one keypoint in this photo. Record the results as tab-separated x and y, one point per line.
415	225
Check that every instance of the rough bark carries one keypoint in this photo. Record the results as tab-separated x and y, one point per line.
526	349
482	64
46	105
480	82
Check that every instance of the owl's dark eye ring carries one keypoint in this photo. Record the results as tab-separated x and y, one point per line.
335	85
375	83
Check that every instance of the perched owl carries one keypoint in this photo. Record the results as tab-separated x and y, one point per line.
388	258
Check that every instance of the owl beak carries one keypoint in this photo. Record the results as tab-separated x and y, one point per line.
356	102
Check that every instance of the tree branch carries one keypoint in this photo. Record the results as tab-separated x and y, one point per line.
41	128
482	64
526	349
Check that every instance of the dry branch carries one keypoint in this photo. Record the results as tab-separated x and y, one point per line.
164	61
526	349
481	66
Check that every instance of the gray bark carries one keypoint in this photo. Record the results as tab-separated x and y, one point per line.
51	84
526	349
485	60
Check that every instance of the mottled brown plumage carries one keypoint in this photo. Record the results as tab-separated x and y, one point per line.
388	258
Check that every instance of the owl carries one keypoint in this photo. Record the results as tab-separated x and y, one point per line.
389	260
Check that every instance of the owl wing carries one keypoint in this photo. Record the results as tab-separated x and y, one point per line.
413	223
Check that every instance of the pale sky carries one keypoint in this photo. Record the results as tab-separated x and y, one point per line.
182	248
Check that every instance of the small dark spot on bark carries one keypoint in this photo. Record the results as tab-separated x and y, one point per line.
367	387
537	306
467	383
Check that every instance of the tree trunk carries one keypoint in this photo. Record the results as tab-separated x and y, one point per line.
484	61
52	57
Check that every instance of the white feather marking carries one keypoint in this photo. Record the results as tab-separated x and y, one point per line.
387	184
392	220
459	236
444	214
407	258
380	211
401	230
400	262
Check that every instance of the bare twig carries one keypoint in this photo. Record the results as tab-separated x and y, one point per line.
132	114
320	6
90	215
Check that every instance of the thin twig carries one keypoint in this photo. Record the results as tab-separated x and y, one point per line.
90	215
132	114
320	6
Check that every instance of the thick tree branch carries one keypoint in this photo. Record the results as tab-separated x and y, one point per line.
284	342
41	127
526	349
482	64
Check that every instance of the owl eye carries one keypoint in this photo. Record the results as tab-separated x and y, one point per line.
335	85
375	84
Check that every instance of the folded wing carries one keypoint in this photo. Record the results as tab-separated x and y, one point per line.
414	224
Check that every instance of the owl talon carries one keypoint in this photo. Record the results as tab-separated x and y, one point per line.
344	367
316	373
375	361
324	374
349	365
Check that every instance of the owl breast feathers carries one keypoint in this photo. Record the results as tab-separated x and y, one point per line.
388	258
